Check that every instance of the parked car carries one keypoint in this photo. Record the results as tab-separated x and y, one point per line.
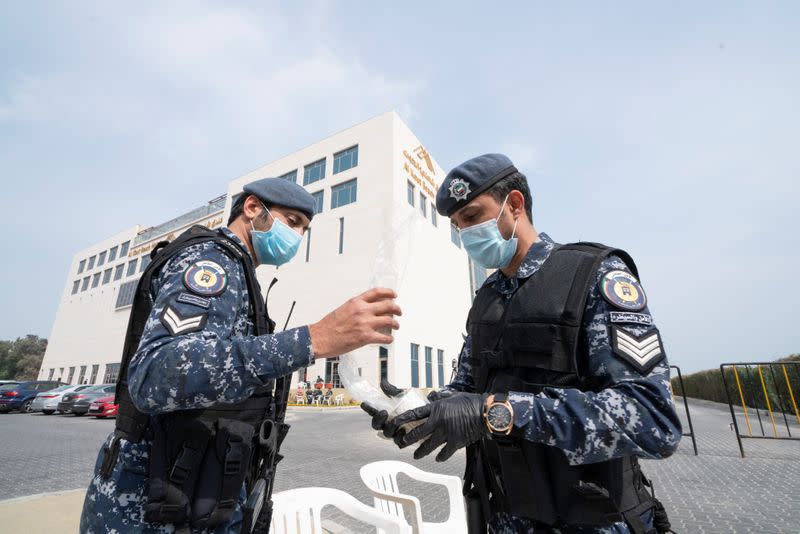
78	402
4	382
103	407
47	401
20	396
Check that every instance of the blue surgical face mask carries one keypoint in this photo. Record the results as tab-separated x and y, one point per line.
276	246
485	244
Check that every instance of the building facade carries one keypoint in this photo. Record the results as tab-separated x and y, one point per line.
376	224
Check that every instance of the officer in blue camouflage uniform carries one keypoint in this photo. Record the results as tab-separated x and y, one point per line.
552	443
198	348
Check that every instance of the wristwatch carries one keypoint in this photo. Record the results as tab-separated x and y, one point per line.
498	414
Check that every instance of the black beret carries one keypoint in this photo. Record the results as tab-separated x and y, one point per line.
283	193
470	179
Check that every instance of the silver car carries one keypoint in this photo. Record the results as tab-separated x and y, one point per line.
47	401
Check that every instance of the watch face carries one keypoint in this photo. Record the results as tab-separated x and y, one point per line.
499	416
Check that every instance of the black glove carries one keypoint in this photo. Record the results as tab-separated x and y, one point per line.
456	421
379	416
439	394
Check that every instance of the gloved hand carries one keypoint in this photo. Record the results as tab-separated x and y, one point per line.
455	421
379	416
439	394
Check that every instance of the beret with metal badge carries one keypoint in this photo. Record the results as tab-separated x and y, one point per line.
470	179
283	193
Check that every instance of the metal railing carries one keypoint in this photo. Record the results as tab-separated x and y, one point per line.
689	434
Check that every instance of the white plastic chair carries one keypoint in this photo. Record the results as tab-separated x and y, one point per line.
298	511
339	399
301	399
381	479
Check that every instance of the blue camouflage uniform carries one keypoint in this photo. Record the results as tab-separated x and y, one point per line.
223	362
631	413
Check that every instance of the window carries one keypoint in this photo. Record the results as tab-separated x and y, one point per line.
341	234
71	374
423	205
433	215
144	263
131	267
314	172
112	370
95	369
85	284
308	244
81	266
118	271
383	357
60	373
346	159
81	374
75	286
112	254
123	249
428	367
126	293
291	176
91	263
414	365
344	194
410	187
332	372
440	366
106	276
101	258
95	280
455	237
319	198
52	372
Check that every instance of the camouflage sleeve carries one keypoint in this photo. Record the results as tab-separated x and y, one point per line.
196	349
629	411
463	380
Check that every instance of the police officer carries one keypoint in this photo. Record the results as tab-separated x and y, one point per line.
199	363
562	382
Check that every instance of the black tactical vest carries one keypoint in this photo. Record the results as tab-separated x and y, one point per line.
528	343
199	459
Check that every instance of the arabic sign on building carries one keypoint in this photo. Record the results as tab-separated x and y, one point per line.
420	170
147	247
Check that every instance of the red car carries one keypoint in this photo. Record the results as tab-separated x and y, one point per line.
103	407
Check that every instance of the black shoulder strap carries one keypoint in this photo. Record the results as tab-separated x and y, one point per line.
604	251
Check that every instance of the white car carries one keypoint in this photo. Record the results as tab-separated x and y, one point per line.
47	401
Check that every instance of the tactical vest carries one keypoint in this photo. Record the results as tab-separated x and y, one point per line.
526	344
200	458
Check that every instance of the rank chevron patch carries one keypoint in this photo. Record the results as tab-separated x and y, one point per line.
177	324
643	352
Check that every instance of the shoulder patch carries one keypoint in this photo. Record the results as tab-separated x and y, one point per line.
643	352
631	318
206	278
189	298
178	324
623	290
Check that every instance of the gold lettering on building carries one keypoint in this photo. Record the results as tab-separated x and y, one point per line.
423	177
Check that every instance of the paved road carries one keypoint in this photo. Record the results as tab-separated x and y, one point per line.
714	492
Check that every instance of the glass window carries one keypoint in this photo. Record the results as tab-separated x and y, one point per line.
95	280
81	374
308	244
414	365
332	372
75	286
71	374
144	263
319	198
123	249
346	159
341	235
410	187
131	267
344	194
455	237
433	215
95	369
81	266
314	172
101	258
423	205
112	370
91	262
106	276
428	367
126	294
85	284
112	253
52	372
118	271
291	176
383	357
440	366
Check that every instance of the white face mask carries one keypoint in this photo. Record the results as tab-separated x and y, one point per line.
485	244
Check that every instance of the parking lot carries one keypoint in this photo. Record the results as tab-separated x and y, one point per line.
714	492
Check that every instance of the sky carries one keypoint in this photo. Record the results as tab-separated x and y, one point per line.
669	130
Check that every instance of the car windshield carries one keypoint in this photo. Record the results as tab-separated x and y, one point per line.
59	388
8	387
84	388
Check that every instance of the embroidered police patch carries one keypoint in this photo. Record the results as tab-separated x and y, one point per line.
632	318
189	298
622	290
643	352
178	324
205	278
459	189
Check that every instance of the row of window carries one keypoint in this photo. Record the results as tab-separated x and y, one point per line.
315	171
341	195
341	239
411	191
110	376
428	366
109	255
105	277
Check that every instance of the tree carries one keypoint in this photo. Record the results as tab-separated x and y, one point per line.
21	359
